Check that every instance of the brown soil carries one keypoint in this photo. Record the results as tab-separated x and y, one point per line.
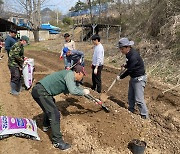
84	124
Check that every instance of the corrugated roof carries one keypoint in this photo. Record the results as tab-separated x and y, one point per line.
6	25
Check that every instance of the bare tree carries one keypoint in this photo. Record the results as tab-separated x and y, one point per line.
1	6
33	9
90	8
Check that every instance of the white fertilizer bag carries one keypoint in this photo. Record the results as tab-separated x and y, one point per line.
20	127
28	72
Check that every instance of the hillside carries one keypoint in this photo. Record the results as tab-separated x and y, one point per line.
154	26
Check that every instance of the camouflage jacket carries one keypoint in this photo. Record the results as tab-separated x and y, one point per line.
16	55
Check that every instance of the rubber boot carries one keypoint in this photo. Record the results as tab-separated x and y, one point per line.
18	87
13	89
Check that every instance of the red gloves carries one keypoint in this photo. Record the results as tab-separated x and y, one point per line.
60	57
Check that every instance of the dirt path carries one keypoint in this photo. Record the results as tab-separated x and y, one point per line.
88	128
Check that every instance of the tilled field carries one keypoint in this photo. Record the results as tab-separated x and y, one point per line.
84	124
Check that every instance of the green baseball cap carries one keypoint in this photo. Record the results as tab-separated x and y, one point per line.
24	37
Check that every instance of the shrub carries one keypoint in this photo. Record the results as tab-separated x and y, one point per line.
67	21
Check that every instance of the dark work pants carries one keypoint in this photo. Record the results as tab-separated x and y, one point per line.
51	112
16	77
96	78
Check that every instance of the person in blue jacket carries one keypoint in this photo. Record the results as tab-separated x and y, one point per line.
10	40
74	57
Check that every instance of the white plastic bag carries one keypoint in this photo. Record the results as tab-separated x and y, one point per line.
28	72
21	127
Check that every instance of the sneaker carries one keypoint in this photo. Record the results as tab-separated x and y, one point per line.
93	88
144	117
22	89
62	145
14	93
45	129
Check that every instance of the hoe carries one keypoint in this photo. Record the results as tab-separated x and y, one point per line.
97	101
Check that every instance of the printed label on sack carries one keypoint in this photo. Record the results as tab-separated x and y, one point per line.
10	125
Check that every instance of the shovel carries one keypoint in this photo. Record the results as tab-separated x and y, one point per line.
104	96
106	109
161	94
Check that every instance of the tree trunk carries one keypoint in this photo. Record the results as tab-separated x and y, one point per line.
99	11
36	35
90	8
36	20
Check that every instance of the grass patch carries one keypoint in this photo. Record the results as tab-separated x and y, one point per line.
166	72
35	46
175	56
137	40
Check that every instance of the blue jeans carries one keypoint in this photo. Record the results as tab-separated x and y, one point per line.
65	61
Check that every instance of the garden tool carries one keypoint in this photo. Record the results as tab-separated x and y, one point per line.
161	94
98	102
104	96
74	65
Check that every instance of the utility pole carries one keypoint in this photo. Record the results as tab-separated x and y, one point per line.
57	18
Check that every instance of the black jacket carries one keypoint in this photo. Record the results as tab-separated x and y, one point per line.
134	65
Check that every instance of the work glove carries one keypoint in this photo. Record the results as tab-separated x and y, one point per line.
25	58
118	78
60	57
80	60
25	63
123	65
86	91
95	71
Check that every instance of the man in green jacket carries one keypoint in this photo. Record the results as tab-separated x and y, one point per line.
15	64
64	81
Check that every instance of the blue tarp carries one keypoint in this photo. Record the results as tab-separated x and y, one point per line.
52	29
49	27
95	10
53	32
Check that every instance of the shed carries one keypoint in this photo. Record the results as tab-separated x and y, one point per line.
6	25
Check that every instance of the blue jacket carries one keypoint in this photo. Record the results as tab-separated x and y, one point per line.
75	57
9	42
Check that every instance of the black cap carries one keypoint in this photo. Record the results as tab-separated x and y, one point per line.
66	35
13	31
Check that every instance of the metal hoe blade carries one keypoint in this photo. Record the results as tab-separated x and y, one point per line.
105	108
